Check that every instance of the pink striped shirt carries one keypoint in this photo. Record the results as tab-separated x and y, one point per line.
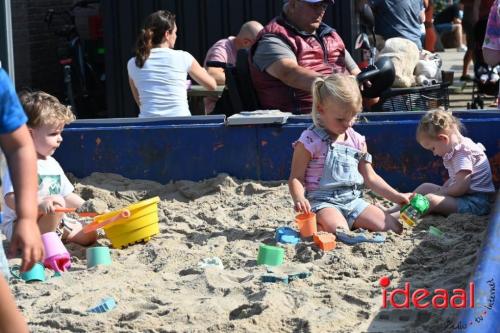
318	149
470	156
225	51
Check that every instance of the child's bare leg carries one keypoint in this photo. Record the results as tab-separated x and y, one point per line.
442	204
427	188
374	219
84	239
49	222
11	319
72	231
329	219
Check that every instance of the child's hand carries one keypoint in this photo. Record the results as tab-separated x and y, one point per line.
404	198
302	205
49	204
26	237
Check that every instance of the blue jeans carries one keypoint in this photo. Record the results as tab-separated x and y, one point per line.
474	203
349	203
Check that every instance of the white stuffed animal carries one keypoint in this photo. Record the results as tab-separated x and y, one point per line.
487	74
404	55
494	76
428	69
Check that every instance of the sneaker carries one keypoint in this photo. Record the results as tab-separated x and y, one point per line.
466	77
462	48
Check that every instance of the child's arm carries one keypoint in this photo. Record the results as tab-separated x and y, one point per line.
459	187
11	320
374	182
301	158
73	200
21	159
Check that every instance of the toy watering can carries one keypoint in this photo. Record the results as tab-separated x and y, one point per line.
412	213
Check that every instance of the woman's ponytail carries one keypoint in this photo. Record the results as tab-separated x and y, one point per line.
144	46
155	27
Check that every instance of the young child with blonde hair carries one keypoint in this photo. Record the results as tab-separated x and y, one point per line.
46	120
331	164
469	187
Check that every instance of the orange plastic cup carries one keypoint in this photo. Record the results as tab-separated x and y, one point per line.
307	224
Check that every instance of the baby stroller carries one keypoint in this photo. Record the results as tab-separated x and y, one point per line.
486	78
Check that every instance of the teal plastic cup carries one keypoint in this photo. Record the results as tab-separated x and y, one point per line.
270	255
36	273
98	255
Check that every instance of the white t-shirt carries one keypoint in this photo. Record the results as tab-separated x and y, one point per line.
161	83
51	181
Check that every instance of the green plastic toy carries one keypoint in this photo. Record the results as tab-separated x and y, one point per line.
412	213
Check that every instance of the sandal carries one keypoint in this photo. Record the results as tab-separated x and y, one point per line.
358	236
68	228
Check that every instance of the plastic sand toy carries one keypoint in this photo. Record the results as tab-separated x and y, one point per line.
105	305
270	255
307	224
412	213
135	223
436	232
286	235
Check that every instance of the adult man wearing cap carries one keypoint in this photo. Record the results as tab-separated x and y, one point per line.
292	51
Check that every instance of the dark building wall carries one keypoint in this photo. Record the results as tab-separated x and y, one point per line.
35	46
200	23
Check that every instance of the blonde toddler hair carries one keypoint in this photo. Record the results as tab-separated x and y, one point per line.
342	88
44	109
437	122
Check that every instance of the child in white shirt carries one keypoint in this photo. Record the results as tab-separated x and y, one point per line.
46	120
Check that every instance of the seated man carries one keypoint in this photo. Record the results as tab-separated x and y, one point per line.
291	52
450	21
225	50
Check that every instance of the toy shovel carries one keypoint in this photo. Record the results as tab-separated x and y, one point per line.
123	214
73	210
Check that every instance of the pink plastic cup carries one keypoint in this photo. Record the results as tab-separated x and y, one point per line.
57	257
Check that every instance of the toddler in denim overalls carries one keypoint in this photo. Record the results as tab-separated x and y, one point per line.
341	183
331	165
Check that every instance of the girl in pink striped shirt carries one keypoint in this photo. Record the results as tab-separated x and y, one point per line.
470	186
331	164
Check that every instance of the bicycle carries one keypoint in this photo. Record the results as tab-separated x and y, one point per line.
84	84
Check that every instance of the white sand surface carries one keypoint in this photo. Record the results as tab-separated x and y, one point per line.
159	287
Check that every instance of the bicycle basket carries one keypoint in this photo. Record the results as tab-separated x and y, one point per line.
422	98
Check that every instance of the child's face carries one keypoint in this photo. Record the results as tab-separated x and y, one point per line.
438	146
336	118
47	139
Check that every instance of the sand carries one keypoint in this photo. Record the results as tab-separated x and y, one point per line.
159	286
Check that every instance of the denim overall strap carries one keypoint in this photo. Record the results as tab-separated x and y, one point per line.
340	172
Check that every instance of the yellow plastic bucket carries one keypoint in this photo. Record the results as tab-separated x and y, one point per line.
141	225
